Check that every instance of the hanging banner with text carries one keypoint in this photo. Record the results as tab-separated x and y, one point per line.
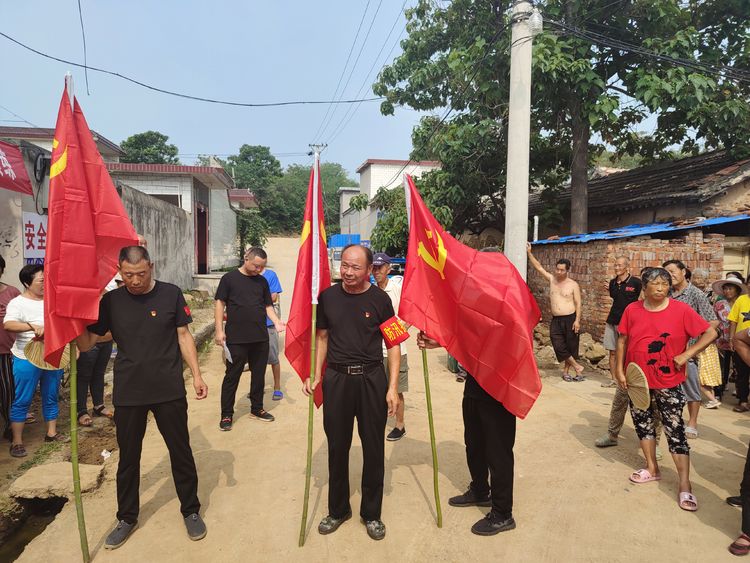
13	174
34	238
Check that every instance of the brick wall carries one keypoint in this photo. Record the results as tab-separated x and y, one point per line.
593	267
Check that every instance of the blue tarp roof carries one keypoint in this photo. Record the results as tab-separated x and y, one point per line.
639	230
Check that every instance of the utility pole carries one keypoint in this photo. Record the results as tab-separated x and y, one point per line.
519	116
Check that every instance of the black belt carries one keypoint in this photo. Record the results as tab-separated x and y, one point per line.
354	369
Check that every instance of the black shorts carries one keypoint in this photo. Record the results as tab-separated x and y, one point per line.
564	338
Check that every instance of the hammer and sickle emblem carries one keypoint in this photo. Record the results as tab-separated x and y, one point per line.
437	260
59	165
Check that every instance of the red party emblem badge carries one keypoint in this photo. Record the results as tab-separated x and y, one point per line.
153	313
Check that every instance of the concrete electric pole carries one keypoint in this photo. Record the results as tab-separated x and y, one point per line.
519	114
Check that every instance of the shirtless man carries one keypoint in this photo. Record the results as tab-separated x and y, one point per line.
565	302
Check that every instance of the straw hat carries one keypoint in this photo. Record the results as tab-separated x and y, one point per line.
718	285
637	386
34	352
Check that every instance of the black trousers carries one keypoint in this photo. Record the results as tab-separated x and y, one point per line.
347	397
171	419
91	368
563	338
745	495
489	435
255	354
742	380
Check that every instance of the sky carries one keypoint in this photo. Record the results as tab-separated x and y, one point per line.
245	51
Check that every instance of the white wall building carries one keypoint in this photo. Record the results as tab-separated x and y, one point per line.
374	174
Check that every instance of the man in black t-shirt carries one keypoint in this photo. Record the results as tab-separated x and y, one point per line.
245	296
624	289
148	320
355	385
489	436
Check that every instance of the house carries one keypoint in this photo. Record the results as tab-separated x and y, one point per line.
242	199
374	174
695	209
201	191
200	237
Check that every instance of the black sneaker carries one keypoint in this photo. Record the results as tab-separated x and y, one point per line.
470	498
262	415
375	529
120	534
396	434
734	501
491	525
329	524
196	528
225	423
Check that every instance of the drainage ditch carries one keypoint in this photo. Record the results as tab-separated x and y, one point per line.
25	521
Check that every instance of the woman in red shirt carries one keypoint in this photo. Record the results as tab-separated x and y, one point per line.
654	334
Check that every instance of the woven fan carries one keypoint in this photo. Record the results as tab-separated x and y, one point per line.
637	386
34	352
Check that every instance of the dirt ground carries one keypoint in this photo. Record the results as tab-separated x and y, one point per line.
573	502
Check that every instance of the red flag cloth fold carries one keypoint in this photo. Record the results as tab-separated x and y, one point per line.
475	304
310	265
87	226
13	175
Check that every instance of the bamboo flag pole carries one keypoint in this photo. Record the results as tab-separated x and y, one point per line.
438	510
74	452
310	413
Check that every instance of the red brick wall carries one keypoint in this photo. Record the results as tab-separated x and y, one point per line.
593	266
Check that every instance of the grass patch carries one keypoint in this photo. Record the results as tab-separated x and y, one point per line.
39	457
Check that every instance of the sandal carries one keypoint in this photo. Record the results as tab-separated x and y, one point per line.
643	476
99	411
84	419
687	501
18	450
30	419
740	548
691	432
568	378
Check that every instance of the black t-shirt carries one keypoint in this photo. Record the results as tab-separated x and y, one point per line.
246	299
353	323
148	366
622	294
472	390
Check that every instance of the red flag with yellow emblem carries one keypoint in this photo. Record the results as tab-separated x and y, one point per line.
313	276
475	304
87	226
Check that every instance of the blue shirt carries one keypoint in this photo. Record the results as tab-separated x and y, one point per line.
274	285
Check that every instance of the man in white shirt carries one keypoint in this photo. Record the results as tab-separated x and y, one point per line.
381	267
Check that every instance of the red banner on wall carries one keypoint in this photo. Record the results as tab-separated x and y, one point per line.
13	174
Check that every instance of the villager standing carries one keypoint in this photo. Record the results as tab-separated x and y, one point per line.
381	268
565	302
7	389
245	296
148	320
355	385
624	289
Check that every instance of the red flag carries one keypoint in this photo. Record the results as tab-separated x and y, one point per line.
313	276
475	304
87	226
13	175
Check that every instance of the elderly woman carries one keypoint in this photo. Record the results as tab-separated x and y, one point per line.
654	334
25	317
7	389
729	290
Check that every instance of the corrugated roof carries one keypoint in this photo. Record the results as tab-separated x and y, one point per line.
639	230
693	179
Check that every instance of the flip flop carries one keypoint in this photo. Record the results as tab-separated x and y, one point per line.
277	395
739	548
687	501
643	476
568	378
579	378
691	432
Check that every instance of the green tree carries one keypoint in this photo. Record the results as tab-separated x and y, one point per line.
254	168
149	147
457	56
252	229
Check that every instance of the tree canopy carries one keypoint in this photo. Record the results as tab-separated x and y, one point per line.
589	92
149	147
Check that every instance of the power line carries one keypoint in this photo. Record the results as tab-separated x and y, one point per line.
85	56
343	70
187	96
351	110
19	117
354	66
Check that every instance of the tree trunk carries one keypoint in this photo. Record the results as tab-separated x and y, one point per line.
579	187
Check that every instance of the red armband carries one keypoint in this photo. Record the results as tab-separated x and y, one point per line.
393	332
